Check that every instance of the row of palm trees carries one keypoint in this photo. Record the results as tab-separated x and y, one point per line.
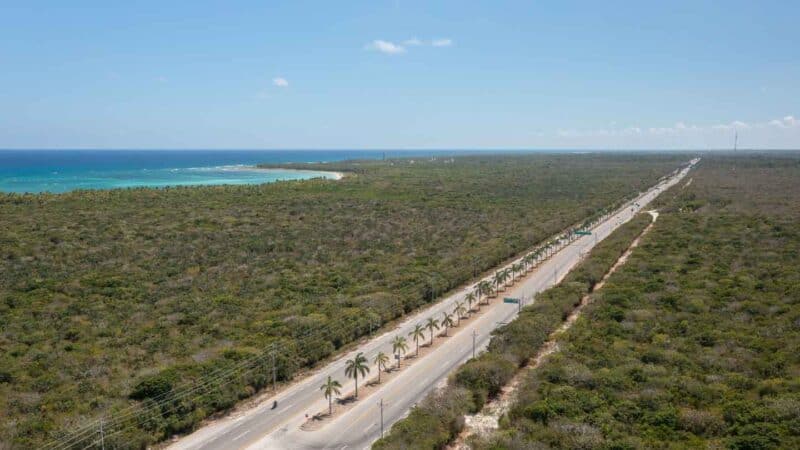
358	366
353	368
481	294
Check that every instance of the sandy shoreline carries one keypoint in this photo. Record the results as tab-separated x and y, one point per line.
334	175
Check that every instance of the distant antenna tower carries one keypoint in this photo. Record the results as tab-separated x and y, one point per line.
735	139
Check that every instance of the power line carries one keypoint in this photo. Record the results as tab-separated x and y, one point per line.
172	396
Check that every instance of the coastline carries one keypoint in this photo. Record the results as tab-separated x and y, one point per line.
234	174
334	174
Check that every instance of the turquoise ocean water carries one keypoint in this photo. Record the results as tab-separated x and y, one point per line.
66	170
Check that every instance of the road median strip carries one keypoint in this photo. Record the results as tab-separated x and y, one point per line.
439	418
346	401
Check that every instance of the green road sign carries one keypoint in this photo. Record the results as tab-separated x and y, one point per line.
510	300
583	233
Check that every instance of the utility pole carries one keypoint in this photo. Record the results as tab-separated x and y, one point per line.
474	334
274	373
381	405
102	436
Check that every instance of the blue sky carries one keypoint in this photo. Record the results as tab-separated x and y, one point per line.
399	74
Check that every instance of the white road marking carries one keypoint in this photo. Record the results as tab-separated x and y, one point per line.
241	435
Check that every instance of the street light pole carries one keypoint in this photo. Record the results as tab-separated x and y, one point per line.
274	373
474	334
381	405
102	436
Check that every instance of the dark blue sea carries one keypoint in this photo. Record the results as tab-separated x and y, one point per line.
66	170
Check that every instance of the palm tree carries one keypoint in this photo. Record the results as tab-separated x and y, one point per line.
447	321
399	346
508	275
417	333
486	288
330	388
354	367
517	268
381	360
432	324
471	298
499	278
459	311
530	259
490	290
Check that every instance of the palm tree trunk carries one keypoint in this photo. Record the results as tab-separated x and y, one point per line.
330	405
356	378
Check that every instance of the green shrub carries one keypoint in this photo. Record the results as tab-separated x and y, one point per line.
152	386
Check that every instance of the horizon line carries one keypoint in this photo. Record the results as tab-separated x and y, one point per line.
387	149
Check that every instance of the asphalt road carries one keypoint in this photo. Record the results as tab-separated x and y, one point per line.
264	428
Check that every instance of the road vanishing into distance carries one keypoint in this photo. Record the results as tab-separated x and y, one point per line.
359	426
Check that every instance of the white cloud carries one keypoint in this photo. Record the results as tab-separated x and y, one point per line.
786	122
681	132
280	82
390	48
789	122
387	47
631	131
